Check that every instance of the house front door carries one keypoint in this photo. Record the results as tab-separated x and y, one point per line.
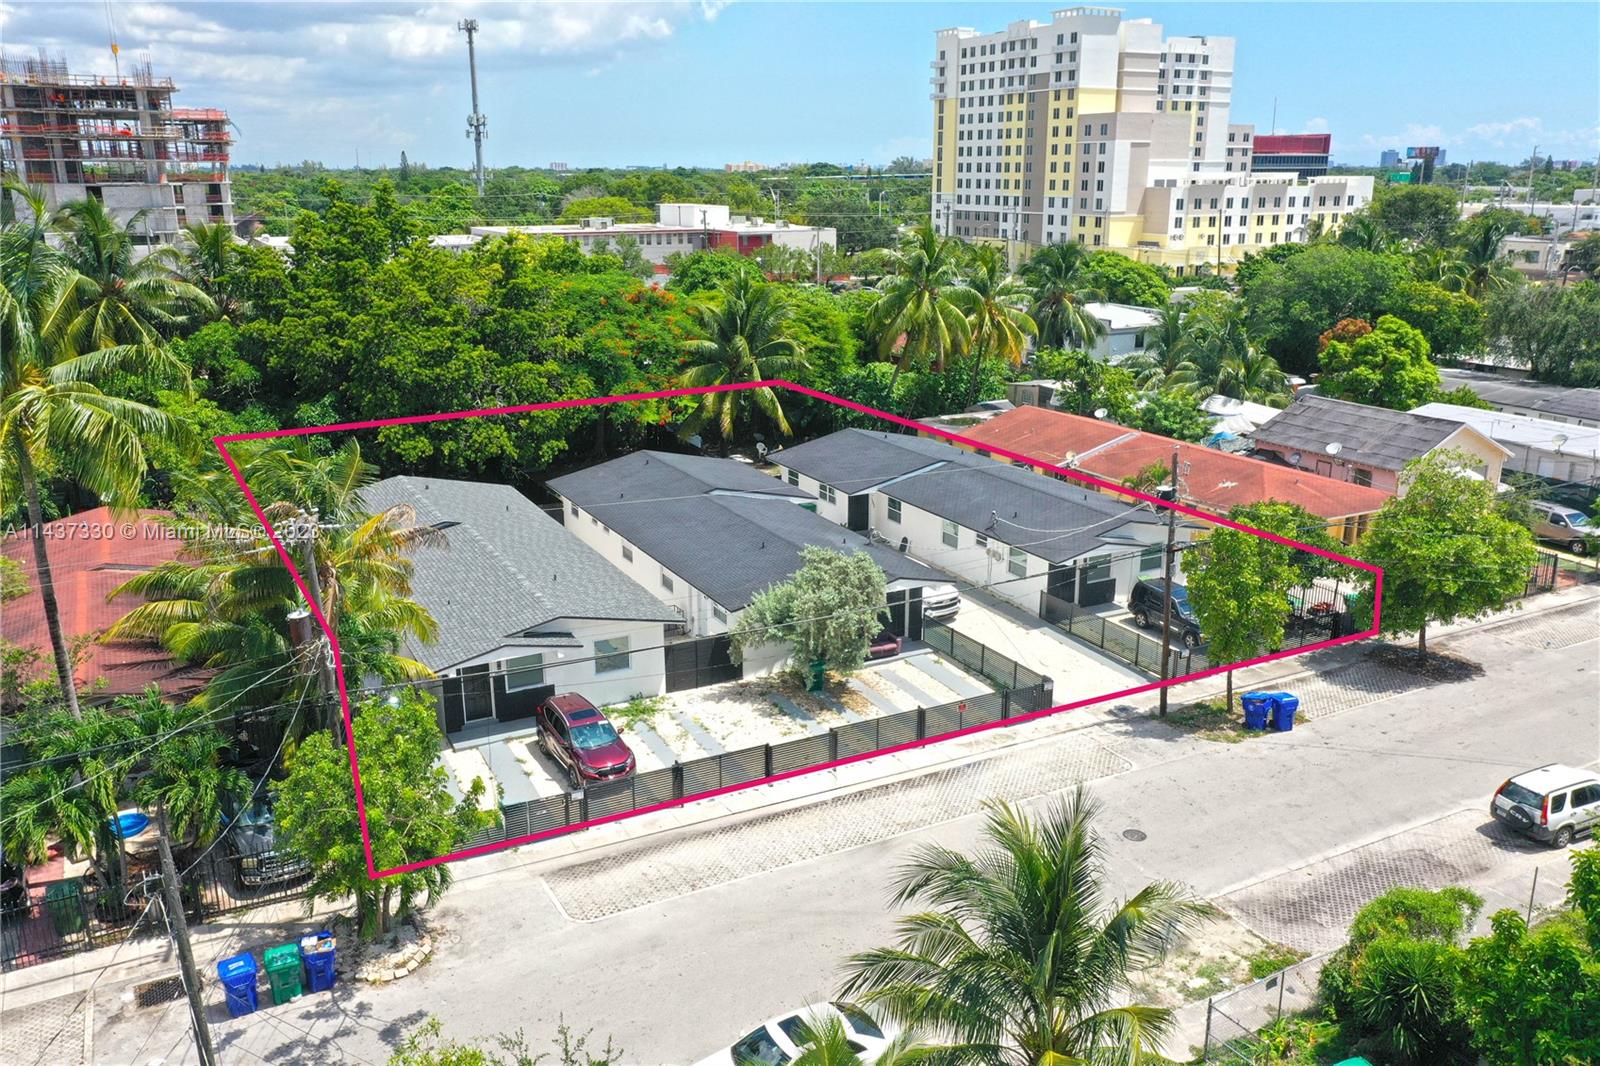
860	515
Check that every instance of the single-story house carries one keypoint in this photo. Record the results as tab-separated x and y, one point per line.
525	609
1564	455
1209	479
1369	445
1004	529
91	553
1519	396
1124	327
705	536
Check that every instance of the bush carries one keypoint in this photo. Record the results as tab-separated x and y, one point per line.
1404	997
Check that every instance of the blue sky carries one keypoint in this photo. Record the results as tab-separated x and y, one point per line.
704	83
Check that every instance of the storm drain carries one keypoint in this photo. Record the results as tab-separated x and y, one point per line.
154	993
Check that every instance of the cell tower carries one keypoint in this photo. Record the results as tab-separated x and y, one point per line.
476	123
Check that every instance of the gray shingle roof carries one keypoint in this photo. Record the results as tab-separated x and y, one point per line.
1552	400
854	460
722	538
508	568
1368	436
1051	519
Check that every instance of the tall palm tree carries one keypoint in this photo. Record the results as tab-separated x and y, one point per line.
918	312
1024	960
1165	362
56	420
744	338
826	1042
1477	267
183	774
204	259
1060	293
1364	232
113	297
994	301
1253	375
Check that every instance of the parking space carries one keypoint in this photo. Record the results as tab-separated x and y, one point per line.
1079	671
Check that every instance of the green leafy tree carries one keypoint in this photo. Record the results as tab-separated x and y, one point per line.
1386	367
743	339
1022	957
828	610
1423	214
1124	280
1255	265
1290	304
1062	289
612	207
857	220
697	272
1554	328
1532	997
1446	549
1086	385
411	815
1452	322
1173	413
13	580
1584	255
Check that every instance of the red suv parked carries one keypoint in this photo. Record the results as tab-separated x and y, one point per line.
574	733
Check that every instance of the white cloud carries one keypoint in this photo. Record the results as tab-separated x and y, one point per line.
1314	125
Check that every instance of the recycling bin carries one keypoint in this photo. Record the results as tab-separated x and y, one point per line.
317	954
283	971
238	974
1257	706
64	901
1284	704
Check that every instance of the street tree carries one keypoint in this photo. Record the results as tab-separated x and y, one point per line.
1554	328
1388	366
1022	947
1446	548
828	611
1532	996
1452	322
411	814
1423	214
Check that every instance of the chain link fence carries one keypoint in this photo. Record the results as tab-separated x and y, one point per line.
1234	1018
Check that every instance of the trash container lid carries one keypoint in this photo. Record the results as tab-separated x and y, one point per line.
237	966
62	889
281	957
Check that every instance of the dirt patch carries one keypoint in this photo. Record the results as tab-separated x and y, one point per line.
1438	666
1210	721
1218	954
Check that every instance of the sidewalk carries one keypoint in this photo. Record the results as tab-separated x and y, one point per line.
283	922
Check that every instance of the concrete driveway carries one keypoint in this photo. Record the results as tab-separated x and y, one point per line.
1079	670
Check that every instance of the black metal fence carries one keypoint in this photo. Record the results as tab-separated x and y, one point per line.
700	662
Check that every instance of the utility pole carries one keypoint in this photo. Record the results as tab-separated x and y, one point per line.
1166	581
1532	161
326	681
172	903
476	123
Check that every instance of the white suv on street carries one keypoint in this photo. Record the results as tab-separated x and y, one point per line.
1553	803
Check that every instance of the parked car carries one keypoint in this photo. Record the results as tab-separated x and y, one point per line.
1147	603
940	602
777	1041
252	845
1565	526
1553	803
885	644
13	885
574	733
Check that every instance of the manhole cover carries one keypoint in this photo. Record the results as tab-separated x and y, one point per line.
1134	835
153	993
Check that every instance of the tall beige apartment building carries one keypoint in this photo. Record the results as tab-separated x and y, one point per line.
1099	129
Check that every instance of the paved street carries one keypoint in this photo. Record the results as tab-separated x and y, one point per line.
676	945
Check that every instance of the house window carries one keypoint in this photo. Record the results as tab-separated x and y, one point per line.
982	541
1150	558
949	533
610	655
827	493
627	554
1099	570
718	613
1361	476
1018	563
894	509
794	477
527	671
666	582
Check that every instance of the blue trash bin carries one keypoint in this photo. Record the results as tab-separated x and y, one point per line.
317	955
1257	706
1284	704
238	975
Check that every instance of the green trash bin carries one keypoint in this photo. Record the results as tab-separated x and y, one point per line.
64	901
283	971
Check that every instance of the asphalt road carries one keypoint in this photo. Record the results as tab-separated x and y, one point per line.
680	945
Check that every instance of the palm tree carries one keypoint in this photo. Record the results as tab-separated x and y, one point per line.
112	298
918	312
204	259
743	340
1253	375
1060	293
994	302
1024	960
1165	362
184	774
825	1041
1477	267
55	419
1217	334
1365	233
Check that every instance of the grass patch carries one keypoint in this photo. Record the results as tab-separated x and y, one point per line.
1212	721
640	709
1272	958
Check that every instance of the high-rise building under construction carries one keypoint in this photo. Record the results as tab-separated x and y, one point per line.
117	139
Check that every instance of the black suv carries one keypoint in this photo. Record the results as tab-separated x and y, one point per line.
252	844
1146	603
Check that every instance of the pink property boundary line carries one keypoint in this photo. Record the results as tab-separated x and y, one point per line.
344	697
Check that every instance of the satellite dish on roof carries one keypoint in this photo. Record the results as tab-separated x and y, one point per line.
1294	457
1334	447
1100	412
1559	441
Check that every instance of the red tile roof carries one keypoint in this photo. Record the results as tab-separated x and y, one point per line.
91	553
1213	481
